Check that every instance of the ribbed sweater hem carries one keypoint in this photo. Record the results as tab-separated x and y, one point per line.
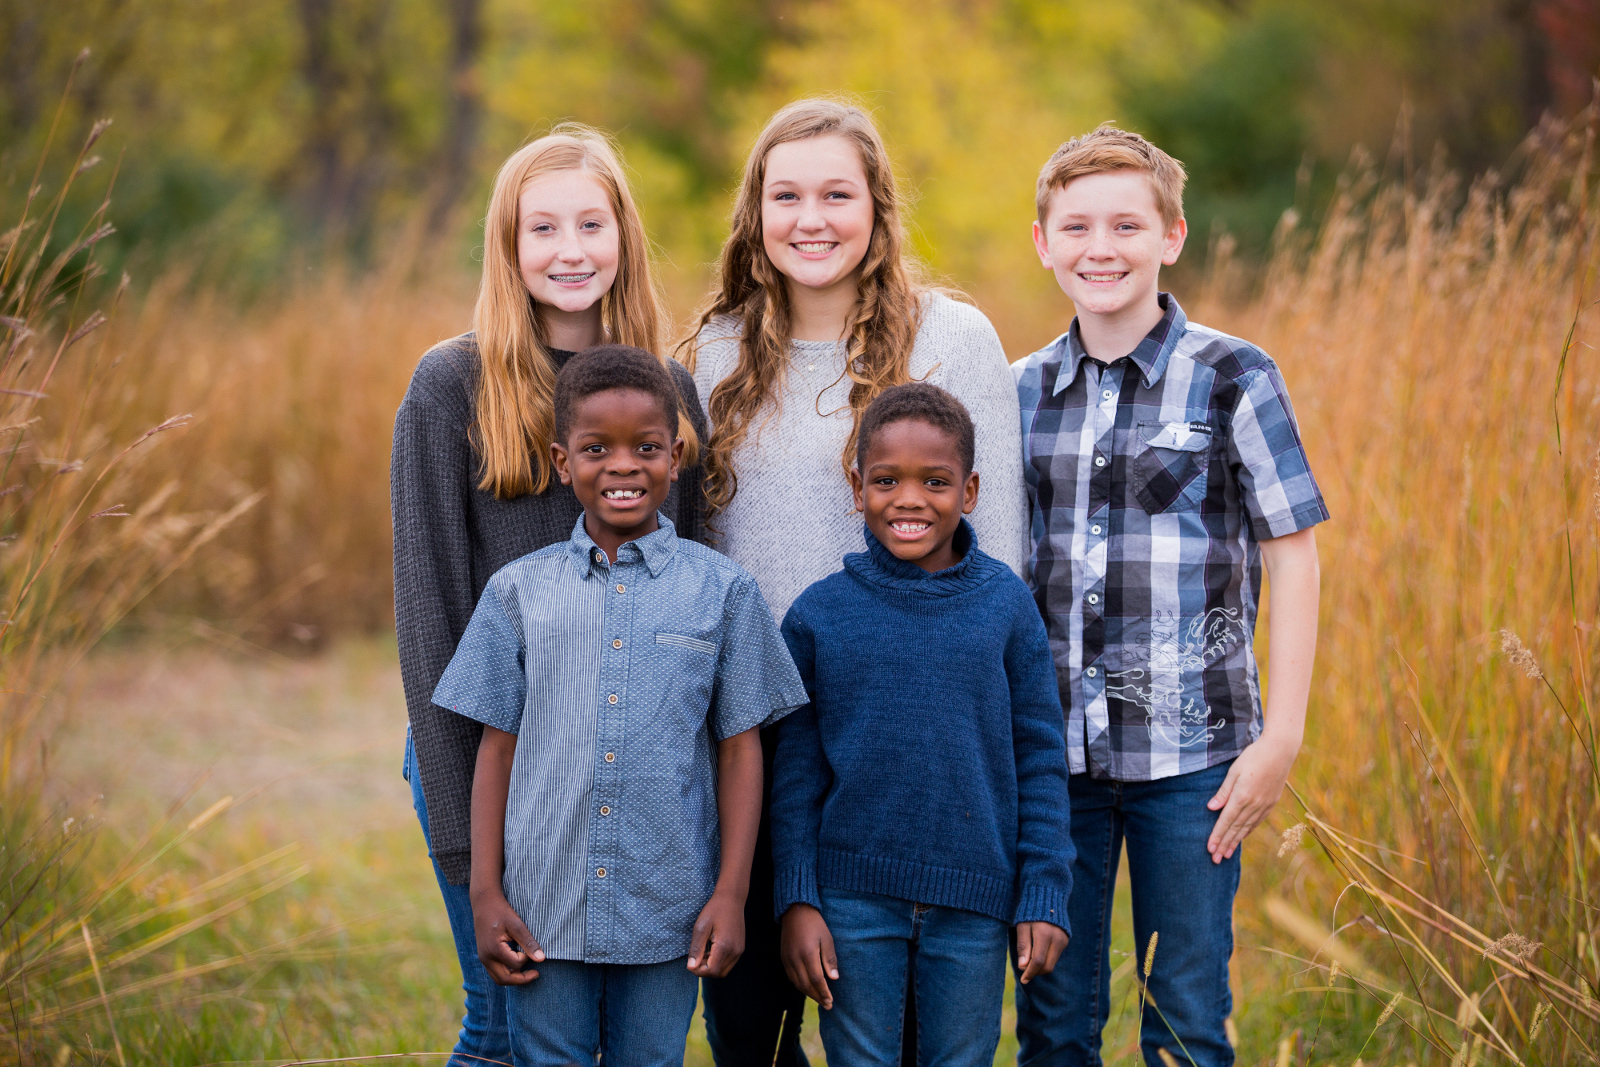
1042	903
948	887
794	885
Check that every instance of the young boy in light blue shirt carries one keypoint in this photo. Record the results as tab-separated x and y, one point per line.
621	678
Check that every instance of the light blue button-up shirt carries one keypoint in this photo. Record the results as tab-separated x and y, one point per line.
618	679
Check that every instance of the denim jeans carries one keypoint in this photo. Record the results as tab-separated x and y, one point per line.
483	1038
1178	894
634	1015
957	960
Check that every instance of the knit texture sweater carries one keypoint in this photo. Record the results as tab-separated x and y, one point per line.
449	537
792	519
930	764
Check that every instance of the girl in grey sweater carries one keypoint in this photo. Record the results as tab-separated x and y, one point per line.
818	311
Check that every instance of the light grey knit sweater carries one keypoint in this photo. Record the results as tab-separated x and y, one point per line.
792	520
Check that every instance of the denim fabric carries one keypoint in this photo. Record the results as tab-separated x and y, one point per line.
958	962
635	1015
1178	893
483	1036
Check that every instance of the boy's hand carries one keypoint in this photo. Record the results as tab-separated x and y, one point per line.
505	947
1253	786
718	938
808	953
1039	946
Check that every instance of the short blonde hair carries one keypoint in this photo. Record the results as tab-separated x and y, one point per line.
1109	148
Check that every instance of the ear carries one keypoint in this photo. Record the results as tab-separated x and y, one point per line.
1172	247
558	457
1041	245
855	489
677	459
969	494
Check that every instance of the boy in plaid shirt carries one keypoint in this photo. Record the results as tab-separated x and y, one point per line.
1164	467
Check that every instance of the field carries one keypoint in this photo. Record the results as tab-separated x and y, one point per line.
1429	899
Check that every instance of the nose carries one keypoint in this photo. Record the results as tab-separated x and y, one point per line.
571	250
811	220
1100	244
622	461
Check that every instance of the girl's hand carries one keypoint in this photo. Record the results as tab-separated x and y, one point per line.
807	951
505	947
718	938
1039	946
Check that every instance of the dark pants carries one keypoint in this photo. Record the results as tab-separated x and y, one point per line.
1178	893
753	1015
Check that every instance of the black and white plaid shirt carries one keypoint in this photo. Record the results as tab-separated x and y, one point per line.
1151	481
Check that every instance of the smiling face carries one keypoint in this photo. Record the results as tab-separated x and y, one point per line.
568	243
913	489
1104	239
621	457
816	212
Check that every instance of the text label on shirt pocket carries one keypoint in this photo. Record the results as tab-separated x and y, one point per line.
1168	473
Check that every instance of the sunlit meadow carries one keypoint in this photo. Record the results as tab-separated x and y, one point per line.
1425	896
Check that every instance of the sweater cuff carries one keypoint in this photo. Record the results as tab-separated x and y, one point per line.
1042	903
794	885
455	865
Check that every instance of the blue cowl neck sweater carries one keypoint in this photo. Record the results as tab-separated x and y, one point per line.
930	764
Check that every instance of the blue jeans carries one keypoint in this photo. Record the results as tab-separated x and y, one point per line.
483	1038
634	1015
957	960
1178	893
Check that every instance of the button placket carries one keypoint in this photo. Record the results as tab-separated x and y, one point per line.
605	829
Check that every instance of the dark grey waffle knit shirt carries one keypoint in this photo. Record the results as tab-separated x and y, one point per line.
449	537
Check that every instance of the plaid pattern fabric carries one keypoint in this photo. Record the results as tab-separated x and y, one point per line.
1151	482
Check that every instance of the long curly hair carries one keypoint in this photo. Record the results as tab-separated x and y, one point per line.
514	414
883	325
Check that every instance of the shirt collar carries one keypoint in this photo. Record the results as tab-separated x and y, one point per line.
654	549
1151	355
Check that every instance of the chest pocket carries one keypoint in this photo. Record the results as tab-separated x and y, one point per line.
1168	472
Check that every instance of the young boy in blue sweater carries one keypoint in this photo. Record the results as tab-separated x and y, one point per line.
919	802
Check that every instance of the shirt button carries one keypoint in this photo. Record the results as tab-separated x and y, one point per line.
621	588
1094	529
612	699
604	810
599	556
611	757
618	642
1091	672
599	872
1099	461
1105	394
1094	598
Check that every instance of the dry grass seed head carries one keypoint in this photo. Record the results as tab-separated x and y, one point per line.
1291	839
1519	654
1513	947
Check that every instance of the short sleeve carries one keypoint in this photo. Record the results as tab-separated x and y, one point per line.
1279	494
757	683
487	678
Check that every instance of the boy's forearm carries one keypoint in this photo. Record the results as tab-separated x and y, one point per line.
739	775
1294	578
491	784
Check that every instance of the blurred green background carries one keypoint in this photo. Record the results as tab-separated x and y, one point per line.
250	133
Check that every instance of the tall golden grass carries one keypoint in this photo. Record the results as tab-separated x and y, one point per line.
1436	338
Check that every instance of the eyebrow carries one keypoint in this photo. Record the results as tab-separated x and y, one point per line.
826	181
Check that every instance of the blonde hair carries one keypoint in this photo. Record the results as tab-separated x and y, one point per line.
1109	148
887	312
514	413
